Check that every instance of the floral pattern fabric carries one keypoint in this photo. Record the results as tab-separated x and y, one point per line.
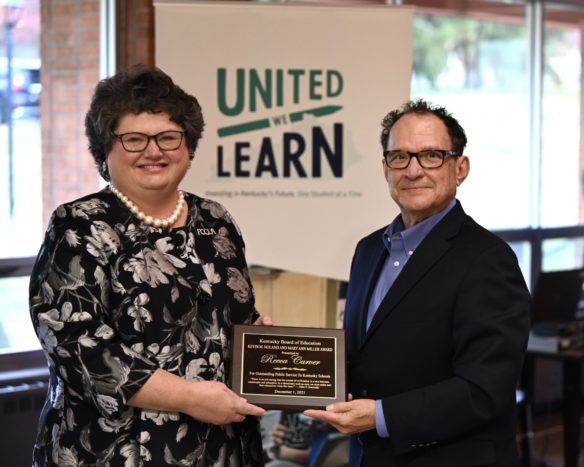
112	300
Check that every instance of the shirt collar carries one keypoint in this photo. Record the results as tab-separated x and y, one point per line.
413	236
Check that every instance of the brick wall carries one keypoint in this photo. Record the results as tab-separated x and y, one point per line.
70	67
70	70
135	36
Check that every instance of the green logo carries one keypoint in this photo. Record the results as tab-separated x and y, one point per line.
272	89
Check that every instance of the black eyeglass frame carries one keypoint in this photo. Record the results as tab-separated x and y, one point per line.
443	153
155	137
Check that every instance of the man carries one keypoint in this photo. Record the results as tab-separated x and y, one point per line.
436	315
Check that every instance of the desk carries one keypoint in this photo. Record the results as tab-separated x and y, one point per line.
571	395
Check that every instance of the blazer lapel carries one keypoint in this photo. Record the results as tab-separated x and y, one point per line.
432	248
363	279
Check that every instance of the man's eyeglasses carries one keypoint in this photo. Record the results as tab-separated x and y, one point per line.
428	159
138	142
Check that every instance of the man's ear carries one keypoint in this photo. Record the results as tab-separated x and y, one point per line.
462	169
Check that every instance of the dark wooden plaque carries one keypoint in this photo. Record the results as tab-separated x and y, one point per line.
289	368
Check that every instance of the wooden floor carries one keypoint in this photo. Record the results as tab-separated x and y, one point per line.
548	448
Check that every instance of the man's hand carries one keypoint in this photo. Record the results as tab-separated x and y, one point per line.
350	417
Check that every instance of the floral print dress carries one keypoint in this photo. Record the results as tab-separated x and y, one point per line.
112	300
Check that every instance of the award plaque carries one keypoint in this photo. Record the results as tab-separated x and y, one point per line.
289	368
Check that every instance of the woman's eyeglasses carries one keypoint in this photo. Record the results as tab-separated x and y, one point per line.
138	142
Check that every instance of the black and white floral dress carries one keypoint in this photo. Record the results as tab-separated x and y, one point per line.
112	300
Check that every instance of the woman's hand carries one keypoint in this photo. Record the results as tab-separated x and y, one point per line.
215	403
207	401
264	321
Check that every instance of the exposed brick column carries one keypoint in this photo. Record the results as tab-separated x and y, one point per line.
134	33
70	69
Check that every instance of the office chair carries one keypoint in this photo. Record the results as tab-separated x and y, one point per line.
526	430
334	451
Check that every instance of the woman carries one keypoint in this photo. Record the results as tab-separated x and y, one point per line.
133	295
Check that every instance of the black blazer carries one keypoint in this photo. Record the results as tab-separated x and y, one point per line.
444	350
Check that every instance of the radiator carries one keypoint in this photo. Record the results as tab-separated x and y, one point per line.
20	407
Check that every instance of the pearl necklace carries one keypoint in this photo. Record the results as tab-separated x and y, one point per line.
149	220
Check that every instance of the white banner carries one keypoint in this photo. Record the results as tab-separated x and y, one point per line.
293	97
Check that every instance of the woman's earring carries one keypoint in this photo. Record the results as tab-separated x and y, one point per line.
104	167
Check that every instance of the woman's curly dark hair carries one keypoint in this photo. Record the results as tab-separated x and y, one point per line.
420	106
139	89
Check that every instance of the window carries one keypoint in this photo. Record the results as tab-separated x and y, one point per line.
472	57
20	133
477	69
20	175
523	123
561	171
562	253
16	333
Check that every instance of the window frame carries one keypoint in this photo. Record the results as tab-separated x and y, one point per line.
11	267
